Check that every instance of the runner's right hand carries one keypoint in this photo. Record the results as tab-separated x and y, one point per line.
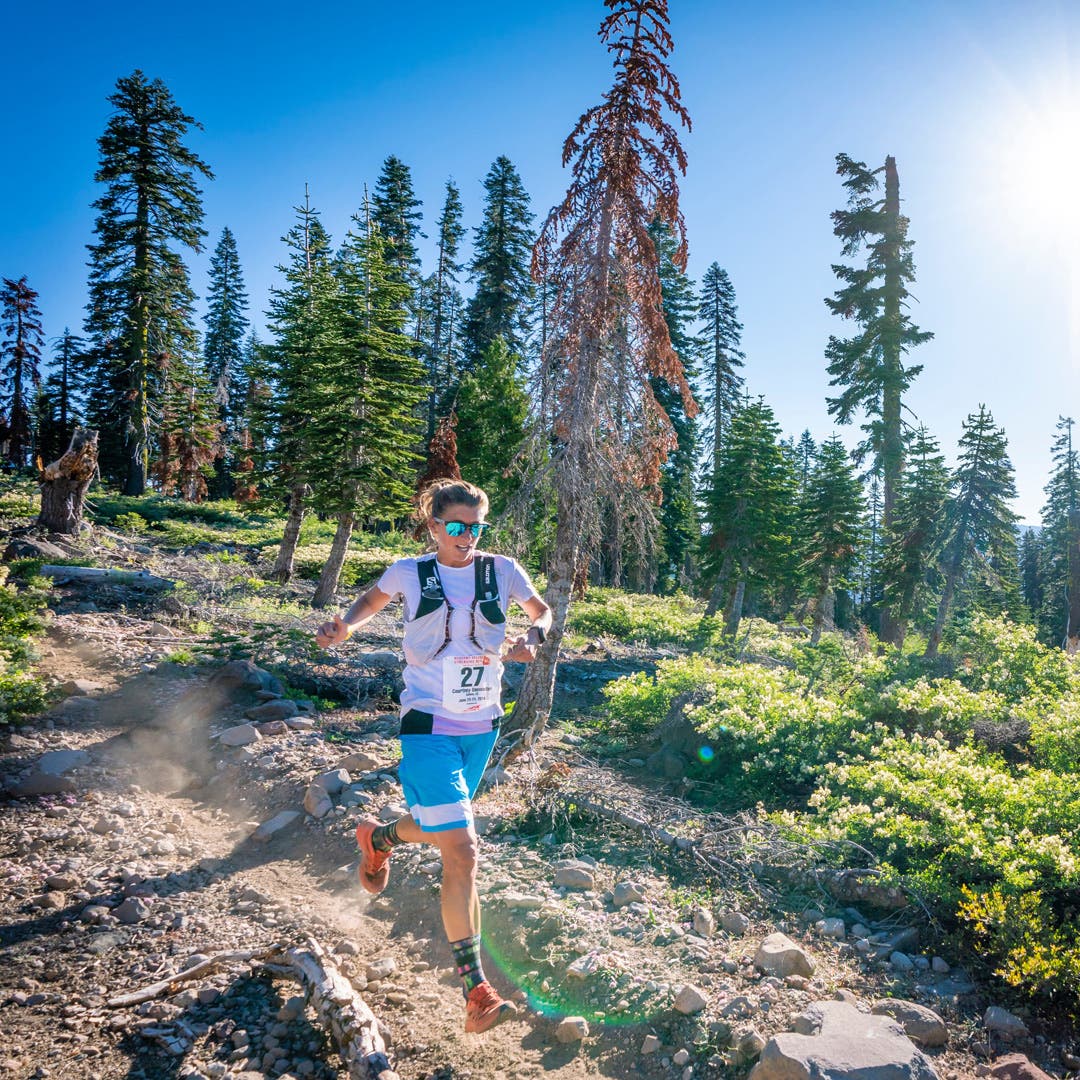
332	633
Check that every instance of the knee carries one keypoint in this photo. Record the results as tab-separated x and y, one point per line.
459	858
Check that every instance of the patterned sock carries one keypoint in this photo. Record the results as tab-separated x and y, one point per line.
467	957
385	837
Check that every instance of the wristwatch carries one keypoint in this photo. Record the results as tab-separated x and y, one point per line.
541	633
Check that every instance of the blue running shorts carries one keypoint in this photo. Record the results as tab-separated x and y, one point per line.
439	775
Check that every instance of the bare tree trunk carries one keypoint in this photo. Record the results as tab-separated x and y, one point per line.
331	571
733	614
717	594
283	567
934	641
824	611
64	484
1072	631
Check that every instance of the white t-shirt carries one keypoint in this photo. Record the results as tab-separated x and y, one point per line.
424	684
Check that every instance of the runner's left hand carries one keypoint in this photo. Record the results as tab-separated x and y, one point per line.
520	650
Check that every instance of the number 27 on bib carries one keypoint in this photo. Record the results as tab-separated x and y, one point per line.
470	682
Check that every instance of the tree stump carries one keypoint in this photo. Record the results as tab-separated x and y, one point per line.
64	484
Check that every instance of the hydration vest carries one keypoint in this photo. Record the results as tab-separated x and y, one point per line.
427	634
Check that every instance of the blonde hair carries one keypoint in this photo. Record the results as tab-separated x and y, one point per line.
440	494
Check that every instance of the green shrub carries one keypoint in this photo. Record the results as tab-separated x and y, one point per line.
653	620
21	693
130	522
930	706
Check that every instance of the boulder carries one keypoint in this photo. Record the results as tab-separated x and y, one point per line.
333	781
735	923
240	735
59	762
76	687
779	955
1001	1020
923	1025
280	709
628	892
244	675
575	877
39	783
837	1041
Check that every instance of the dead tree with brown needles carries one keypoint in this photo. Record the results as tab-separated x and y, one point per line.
606	332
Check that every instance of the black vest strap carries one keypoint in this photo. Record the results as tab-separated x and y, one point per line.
431	591
487	589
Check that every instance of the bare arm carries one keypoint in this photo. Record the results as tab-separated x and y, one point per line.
523	647
341	628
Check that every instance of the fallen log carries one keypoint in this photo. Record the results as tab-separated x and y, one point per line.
344	1014
140	578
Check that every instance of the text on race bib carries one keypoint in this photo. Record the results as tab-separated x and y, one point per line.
470	682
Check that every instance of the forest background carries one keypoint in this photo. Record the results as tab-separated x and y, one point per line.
255	396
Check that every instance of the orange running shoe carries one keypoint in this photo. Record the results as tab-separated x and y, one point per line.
374	869
484	1008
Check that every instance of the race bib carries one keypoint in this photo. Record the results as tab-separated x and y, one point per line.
470	682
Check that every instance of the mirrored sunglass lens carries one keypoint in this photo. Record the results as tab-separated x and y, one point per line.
455	528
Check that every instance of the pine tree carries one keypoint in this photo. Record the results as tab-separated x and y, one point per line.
189	430
445	303
493	407
502	252
748	513
395	210
831	525
805	454
914	543
979	526
20	367
1061	540
680	530
57	413
226	327
869	367
256	391
607	333
361	399
1032	588
722	335
299	319
140	297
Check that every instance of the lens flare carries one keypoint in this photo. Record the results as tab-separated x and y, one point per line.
706	754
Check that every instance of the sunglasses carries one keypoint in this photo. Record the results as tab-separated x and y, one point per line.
459	528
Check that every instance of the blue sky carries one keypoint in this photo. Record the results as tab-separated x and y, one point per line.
978	101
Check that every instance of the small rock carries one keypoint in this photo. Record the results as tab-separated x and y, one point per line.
901	962
357	763
393	812
1017	1067
690	1000
278	823
381	968
63	882
939	966
271	728
380	658
779	955
281	709
333	781
735	923
59	762
627	892
74	687
831	928
921	1024
51	901
650	1045
583	966
317	802
521	901
1001	1020
572	1029
133	910
704	922
301	723
748	1045
680	1058
575	877
239	735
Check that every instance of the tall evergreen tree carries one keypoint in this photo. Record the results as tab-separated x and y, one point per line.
58	415
502	252
299	319
915	539
1061	540
362	427
748	512
20	366
493	407
188	430
255	389
1032	588
830	529
395	210
680	530
722	334
869	367
445	304
140	297
223	348
979	526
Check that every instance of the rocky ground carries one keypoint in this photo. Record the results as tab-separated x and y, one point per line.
164	813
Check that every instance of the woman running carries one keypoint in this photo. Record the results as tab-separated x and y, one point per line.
455	603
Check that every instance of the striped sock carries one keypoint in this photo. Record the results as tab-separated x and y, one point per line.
467	958
385	837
